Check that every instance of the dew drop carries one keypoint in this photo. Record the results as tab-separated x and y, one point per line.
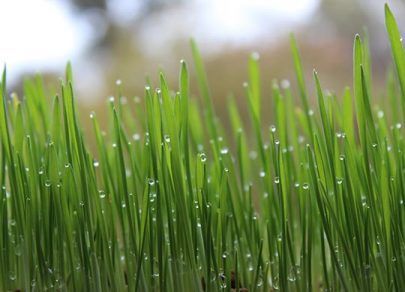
253	155
224	151
96	163
255	56
276	180
301	139
203	157
285	84
101	194
305	186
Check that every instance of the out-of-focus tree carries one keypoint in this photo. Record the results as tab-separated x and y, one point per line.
86	4
146	6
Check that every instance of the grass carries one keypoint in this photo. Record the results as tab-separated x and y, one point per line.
172	202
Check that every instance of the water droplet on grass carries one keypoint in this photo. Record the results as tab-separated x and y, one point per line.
203	157
255	56
224	151
151	181
285	84
253	155
305	186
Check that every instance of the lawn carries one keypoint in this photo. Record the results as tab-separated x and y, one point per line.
171	200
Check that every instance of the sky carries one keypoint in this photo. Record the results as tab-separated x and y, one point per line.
45	34
41	35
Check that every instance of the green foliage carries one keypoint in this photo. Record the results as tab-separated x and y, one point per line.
168	203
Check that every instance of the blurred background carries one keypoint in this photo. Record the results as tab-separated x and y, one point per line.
129	40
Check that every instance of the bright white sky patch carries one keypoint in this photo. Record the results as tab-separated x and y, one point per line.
37	35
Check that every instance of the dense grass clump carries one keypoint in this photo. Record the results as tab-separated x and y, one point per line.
168	202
